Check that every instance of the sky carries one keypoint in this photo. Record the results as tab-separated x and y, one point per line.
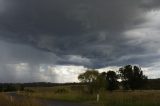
55	40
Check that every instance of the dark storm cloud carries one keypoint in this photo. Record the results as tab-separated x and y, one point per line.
148	4
89	31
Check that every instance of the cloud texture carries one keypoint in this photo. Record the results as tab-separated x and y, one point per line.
88	33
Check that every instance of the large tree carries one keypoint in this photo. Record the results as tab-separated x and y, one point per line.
132	77
90	78
102	81
112	80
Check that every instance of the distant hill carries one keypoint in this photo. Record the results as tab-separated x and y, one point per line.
153	84
5	87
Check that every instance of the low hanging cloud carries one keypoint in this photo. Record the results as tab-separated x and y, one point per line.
88	33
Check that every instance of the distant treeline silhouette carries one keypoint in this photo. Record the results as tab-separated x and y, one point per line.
127	78
6	87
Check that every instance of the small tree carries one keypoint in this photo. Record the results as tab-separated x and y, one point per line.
132	77
112	80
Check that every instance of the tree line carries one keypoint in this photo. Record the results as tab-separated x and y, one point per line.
128	78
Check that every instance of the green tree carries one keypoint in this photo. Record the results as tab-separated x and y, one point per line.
132	77
102	81
112	80
90	77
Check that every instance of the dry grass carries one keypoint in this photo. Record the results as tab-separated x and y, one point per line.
130	98
6	100
116	98
58	93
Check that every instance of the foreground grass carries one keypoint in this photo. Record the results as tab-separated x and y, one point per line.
131	98
59	93
116	98
6	100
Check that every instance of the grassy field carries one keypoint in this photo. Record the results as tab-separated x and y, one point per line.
6	100
59	93
116	98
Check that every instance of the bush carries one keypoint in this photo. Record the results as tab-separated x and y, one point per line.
61	90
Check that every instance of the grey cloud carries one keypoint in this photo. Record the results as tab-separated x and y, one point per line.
91	29
24	72
150	4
